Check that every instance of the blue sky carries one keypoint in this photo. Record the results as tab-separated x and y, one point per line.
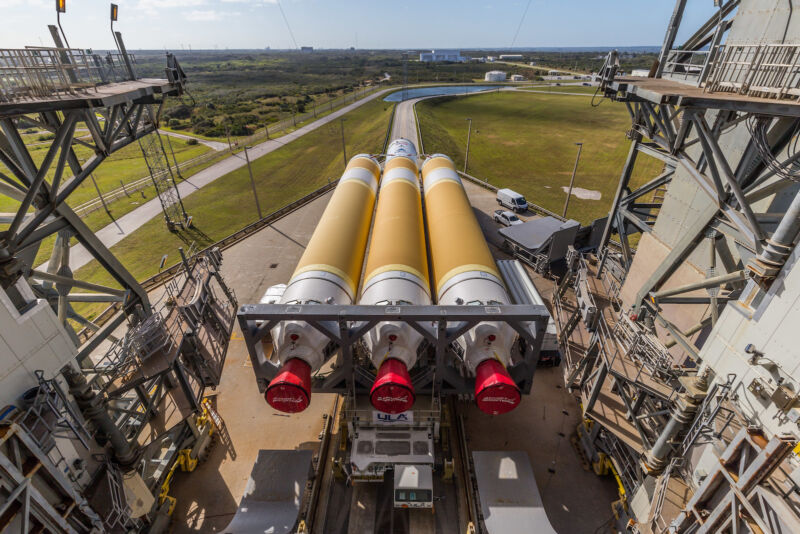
409	24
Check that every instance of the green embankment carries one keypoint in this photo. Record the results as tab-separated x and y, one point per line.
227	204
582	89
526	141
124	166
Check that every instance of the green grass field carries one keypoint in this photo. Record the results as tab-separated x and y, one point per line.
227	204
563	89
526	141
123	166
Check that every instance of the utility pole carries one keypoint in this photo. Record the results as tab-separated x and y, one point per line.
572	180
469	134
344	149
252	181
228	133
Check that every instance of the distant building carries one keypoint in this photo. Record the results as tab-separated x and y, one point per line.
495	76
306	49
490	59
442	55
640	72
510	57
517	78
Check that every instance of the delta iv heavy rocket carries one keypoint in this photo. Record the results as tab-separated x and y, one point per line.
464	273
396	274
328	272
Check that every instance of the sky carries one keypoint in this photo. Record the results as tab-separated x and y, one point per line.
407	24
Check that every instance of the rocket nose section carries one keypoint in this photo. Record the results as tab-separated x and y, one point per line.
495	391
392	391
290	390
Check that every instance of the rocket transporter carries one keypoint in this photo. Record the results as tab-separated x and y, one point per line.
409	256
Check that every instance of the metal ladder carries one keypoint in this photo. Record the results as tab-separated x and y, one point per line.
163	179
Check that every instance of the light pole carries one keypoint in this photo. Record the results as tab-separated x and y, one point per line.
344	149
572	180
61	7
252	181
469	134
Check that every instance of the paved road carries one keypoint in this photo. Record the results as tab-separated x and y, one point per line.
216	145
405	125
405	121
114	233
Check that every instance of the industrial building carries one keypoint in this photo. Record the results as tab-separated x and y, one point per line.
437	56
517	78
511	57
495	76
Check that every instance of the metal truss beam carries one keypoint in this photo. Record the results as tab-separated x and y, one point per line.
440	325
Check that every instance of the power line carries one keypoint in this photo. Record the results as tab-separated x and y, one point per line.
287	23
520	23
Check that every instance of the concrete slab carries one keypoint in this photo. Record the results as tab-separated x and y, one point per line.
209	496
509	499
575	500
362	509
271	501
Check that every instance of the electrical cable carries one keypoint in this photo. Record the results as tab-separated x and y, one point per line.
519	27
287	23
758	127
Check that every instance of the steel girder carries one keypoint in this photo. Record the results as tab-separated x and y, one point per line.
439	325
42	191
671	130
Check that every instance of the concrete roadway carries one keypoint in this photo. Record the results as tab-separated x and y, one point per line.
112	234
214	145
405	124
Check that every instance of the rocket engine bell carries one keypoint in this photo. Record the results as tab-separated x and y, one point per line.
464	273
328	272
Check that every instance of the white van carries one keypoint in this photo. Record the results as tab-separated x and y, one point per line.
511	200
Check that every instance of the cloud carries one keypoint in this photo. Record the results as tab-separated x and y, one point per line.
28	3
204	15
154	7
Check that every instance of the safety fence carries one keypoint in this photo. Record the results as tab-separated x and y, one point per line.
126	189
299	118
42	72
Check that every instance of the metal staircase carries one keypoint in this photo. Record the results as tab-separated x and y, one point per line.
163	178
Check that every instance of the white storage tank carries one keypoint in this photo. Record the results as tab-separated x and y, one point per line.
495	76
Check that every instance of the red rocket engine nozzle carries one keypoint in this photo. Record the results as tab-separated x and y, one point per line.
290	390
392	391
495	391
